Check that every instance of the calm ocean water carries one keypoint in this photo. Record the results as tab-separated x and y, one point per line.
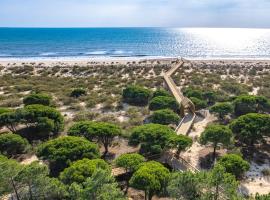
134	42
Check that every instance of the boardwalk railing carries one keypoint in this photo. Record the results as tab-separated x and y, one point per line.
185	103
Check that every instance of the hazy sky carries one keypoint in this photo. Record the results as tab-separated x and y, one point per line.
117	13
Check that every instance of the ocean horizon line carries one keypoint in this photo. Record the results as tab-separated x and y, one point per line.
123	27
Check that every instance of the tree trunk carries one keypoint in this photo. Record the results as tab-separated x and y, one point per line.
30	192
15	190
127	186
150	195
178	153
214	154
145	195
106	149
216	193
11	128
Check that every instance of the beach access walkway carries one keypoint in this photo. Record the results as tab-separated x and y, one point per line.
187	108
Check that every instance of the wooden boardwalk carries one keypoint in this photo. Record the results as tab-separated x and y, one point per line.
188	110
186	105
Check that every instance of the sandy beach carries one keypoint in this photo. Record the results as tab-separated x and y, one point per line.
84	61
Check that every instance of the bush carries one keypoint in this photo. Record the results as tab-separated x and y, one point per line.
154	138
62	151
179	142
161	92
234	164
222	109
165	117
216	135
129	161
199	104
80	170
151	177
44	117
4	110
190	92
250	104
266	172
163	102
103	132
136	95
262	197
78	92
38	119
251	128
38	98
234	88
12	144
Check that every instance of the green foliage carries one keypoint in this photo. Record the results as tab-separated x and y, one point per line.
251	128
217	179
161	92
62	151
199	104
80	129
151	177
9	169
234	164
207	97
77	92
136	95
222	109
191	92
129	161
29	181
262	197
10	119
4	110
234	88
42	114
163	102
165	117
104	132
80	170
216	135
211	96
12	144
186	185
250	104
100	186
37	98
179	142
153	137
43	119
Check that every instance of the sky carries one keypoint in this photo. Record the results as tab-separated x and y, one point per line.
135	13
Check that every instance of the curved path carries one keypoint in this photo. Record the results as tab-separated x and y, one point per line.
186	106
188	111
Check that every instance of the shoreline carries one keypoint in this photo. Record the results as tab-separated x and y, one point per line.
69	61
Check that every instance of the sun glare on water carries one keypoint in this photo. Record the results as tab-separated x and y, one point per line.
229	40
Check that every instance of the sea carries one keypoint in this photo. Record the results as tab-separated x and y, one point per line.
201	43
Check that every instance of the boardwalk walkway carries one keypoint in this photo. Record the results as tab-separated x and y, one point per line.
188	108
